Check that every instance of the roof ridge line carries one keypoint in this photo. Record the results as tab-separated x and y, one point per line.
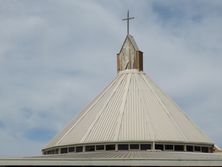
101	111
183	113
145	113
122	107
85	113
164	107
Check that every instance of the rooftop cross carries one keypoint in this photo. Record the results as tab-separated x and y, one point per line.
128	19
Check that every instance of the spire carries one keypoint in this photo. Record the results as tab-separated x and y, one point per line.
129	57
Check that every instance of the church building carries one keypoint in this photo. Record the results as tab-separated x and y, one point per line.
132	122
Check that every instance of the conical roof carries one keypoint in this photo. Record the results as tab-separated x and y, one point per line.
132	108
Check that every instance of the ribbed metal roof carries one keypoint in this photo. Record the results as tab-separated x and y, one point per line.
119	158
139	155
131	108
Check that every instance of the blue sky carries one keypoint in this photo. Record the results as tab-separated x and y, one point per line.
55	56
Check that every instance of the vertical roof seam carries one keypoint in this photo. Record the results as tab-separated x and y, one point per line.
122	107
151	133
101	111
189	120
85	112
164	107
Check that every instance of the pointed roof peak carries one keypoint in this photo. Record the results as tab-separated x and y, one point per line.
129	57
132	40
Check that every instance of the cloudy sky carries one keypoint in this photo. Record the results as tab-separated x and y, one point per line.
55	56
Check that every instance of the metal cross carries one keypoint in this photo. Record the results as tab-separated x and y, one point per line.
128	19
